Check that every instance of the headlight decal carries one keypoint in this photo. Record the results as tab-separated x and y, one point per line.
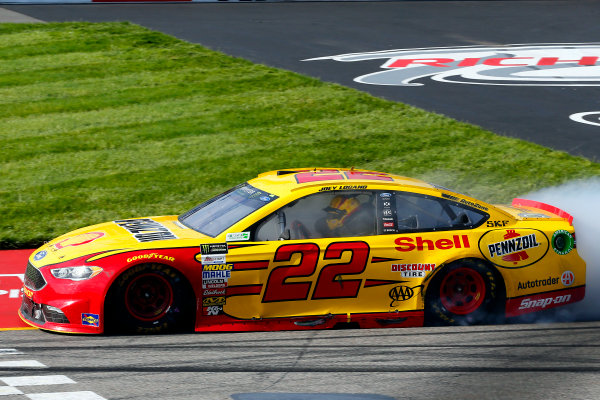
77	273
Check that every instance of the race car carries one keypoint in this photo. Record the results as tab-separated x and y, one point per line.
309	249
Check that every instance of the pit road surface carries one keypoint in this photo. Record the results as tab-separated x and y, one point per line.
555	361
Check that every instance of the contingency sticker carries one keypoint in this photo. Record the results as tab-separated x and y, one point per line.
237	236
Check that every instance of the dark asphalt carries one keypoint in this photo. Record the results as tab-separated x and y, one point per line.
282	34
532	362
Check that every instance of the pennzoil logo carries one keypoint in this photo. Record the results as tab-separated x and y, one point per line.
514	248
546	64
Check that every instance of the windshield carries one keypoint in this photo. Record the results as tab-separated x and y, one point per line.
219	213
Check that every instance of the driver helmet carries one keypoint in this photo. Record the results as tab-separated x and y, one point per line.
339	209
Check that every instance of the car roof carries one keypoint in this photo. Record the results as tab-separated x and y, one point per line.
283	181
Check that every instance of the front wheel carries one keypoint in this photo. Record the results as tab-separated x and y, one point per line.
150	298
466	292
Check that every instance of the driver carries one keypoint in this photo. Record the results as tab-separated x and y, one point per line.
346	216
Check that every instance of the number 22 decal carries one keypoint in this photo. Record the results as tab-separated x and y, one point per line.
329	284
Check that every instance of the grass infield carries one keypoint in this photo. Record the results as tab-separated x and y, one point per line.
107	121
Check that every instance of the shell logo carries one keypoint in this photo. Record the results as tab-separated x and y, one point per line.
514	248
78	240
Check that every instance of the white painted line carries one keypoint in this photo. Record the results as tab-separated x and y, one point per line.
8	352
36	380
22	364
65	396
8	390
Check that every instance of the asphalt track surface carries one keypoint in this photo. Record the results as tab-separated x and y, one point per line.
520	361
558	361
282	34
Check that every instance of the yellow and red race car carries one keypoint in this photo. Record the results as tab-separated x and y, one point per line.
309	249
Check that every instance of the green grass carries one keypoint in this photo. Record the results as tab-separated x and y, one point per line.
107	121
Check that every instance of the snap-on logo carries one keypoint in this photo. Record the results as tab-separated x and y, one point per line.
550	64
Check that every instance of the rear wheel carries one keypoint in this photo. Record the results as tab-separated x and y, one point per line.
150	298
466	292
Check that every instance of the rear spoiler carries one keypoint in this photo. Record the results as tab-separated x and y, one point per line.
543	206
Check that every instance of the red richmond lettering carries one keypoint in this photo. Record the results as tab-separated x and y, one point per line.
410	244
496	61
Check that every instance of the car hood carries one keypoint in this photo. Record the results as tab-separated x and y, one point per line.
117	236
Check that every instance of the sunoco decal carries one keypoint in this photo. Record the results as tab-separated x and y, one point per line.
88	319
514	248
550	64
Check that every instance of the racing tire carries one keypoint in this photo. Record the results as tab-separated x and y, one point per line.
150	298
465	292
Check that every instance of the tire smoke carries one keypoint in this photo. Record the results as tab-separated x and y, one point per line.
581	199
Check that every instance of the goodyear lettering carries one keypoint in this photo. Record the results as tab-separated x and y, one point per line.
537	283
543	303
216	274
218	267
409	244
513	245
151	256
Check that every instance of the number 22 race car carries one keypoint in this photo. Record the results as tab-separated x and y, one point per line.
309	249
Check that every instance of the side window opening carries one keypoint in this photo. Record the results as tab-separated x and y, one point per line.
321	215
415	212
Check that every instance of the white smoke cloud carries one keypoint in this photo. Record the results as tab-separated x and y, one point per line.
581	199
